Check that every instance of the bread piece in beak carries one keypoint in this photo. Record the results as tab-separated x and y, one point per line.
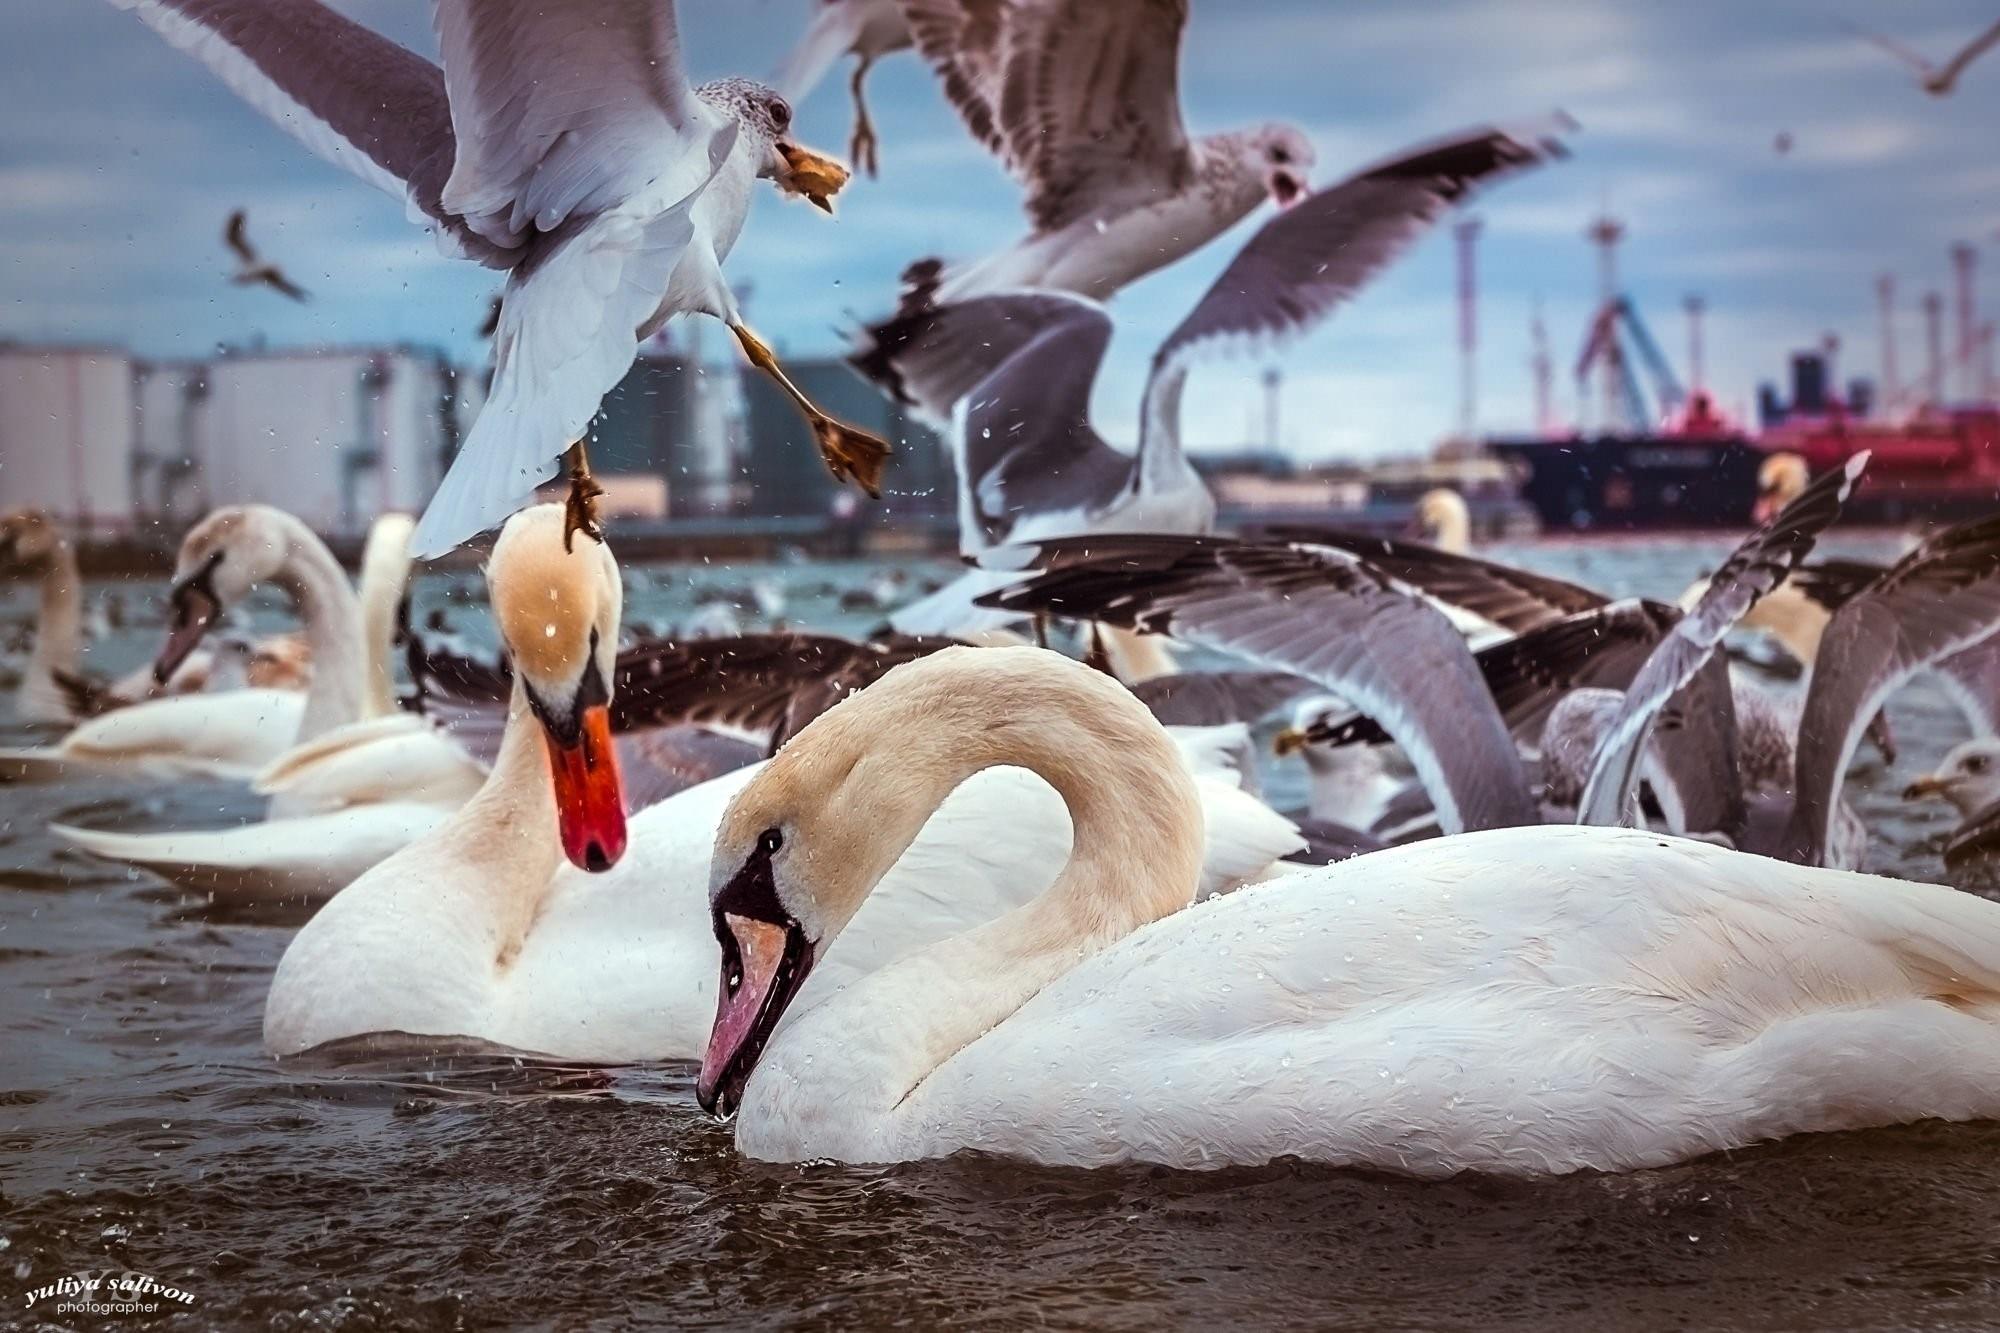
810	175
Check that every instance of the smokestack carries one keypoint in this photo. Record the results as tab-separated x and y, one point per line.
1934	347
1697	375
1964	263
1467	233
1885	297
1605	233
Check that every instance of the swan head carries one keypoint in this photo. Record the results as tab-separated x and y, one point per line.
803	845
29	539
1443	520
1780	480
557	611
1969	777
222	560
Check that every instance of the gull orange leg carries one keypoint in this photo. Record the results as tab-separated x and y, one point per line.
580	509
850	453
861	148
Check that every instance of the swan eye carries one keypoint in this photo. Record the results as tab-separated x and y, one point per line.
735	980
771	841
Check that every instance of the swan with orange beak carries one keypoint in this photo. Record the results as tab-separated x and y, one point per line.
460	934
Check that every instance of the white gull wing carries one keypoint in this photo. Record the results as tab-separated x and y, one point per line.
1079	99
1317	613
1310	258
350	95
960	344
1754	568
836	26
1940	599
569	330
565	109
1024	439
1971	679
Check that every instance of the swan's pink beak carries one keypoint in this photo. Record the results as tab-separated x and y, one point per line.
763	966
194	611
590	800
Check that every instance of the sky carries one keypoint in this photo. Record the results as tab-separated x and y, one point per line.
120	159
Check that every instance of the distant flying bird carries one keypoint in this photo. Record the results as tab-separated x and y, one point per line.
1937	80
865	29
563	144
1782	144
1080	100
251	268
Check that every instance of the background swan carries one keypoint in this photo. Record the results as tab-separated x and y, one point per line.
1519	1001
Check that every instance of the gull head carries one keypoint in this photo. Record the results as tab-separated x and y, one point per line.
1969	777
766	120
557	605
1283	158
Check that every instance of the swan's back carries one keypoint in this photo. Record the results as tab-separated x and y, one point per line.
1518	1001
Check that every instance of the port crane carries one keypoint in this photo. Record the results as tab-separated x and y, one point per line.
1615	326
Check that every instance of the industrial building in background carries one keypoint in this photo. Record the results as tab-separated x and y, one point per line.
114	446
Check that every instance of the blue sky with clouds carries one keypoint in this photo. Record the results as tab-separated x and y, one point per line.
120	158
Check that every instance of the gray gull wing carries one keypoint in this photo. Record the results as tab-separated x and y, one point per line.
1754	568
1312	611
1940	599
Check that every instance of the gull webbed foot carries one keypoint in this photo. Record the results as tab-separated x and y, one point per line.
851	454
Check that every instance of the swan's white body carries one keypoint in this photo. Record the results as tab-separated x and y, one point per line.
1521	1001
482	932
225	736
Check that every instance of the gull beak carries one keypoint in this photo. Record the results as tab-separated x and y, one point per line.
1931	784
1766	507
1286	189
814	176
1289	741
195	609
590	800
763	965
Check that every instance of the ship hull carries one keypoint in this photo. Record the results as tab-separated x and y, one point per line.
1636	483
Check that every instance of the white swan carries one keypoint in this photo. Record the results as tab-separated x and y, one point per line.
229	735
480	932
342	800
30	541
1519	1001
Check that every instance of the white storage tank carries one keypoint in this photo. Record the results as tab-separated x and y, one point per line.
66	424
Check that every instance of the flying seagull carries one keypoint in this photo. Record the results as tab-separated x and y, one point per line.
1080	101
251	267
563	144
864	29
1937	80
1015	370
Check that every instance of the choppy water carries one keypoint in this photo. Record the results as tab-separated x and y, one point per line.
141	1129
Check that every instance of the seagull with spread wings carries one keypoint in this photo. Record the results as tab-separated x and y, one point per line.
1015	370
1937	80
251	268
1080	101
864	29
563	144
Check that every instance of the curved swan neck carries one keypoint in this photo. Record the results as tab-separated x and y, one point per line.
505	836
58	633
326	603
1136	849
385	574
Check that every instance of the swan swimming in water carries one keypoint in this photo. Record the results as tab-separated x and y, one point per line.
1519	1001
479	933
